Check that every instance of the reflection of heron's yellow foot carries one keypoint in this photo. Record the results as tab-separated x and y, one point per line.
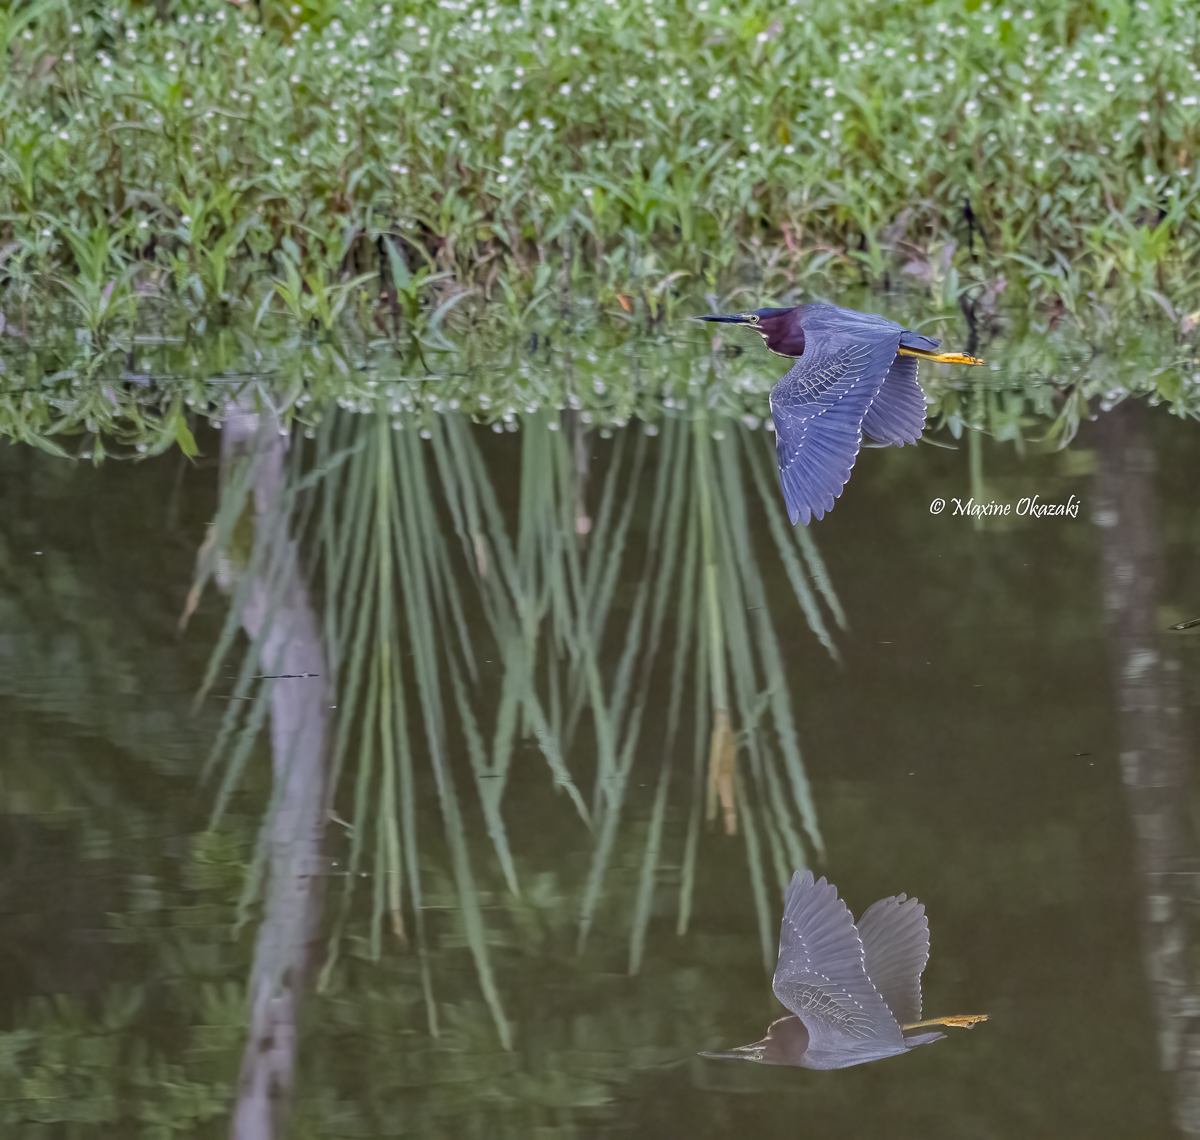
963	1021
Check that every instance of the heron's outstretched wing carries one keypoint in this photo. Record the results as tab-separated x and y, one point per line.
818	408
895	938
897	414
820	975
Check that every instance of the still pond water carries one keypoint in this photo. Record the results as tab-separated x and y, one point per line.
509	742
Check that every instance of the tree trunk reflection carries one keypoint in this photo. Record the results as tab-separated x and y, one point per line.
1154	765
299	750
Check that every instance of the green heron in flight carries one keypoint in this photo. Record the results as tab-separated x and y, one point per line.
854	372
853	991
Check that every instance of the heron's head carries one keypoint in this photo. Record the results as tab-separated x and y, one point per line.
780	328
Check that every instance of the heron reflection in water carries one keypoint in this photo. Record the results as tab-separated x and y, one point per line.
853	991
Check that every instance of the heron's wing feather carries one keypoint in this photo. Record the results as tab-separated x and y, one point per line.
848	323
895	938
820	976
910	339
897	414
818	408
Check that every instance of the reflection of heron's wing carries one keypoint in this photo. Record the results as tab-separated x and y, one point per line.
895	938
820	975
818	408
897	414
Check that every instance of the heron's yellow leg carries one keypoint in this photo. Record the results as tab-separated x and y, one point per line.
940	357
963	1021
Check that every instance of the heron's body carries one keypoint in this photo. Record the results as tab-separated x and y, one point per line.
853	373
852	990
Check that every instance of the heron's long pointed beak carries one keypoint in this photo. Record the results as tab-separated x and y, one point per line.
723	320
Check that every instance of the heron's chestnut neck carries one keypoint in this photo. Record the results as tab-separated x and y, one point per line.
783	334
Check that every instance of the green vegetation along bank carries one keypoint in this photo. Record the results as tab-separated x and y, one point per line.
289	157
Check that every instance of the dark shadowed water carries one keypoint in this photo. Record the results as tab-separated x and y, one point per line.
584	731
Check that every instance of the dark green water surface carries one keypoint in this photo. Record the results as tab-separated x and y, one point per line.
966	748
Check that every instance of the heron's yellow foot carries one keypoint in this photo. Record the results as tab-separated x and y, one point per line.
940	357
963	1021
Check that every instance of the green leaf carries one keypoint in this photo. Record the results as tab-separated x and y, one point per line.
401	276
184	437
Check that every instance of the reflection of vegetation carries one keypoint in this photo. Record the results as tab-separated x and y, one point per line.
140	396
399	526
1006	827
118	1012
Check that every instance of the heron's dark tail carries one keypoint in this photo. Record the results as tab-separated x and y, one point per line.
940	357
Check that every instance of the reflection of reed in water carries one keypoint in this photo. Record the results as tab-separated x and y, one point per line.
1154	764
420	577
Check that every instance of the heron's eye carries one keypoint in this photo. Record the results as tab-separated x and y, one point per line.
752	318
